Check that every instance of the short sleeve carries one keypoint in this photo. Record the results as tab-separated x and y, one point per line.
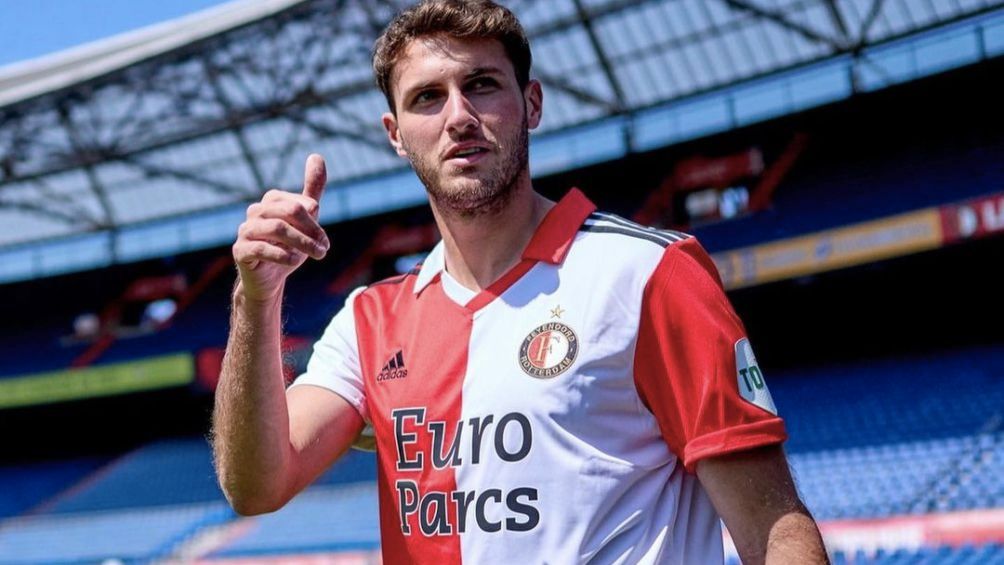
334	364
694	366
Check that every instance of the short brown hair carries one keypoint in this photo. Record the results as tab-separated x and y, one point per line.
465	19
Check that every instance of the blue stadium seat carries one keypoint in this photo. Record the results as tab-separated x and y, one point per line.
138	534
168	472
337	518
27	485
178	471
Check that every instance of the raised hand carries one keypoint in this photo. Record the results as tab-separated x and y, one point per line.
279	233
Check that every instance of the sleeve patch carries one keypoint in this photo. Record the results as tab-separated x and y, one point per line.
752	386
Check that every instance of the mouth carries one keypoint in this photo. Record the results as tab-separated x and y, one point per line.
466	155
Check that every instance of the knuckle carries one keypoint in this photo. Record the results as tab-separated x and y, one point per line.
311	206
257	248
296	208
280	228
288	209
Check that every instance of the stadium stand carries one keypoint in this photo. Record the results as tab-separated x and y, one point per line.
869	439
173	472
874	481
902	420
135	535
964	555
944	555
322	519
168	472
36	482
893	451
881	174
869	403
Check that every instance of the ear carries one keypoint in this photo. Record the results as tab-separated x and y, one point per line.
533	97
393	133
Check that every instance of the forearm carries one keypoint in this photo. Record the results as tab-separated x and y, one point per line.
794	538
755	495
250	420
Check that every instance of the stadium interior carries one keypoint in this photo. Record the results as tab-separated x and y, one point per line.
859	240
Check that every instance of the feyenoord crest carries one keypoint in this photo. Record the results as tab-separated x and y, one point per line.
549	350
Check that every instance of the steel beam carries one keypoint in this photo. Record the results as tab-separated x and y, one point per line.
782	20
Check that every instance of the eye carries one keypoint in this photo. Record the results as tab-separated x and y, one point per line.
482	83
424	97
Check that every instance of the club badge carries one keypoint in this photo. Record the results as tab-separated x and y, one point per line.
548	350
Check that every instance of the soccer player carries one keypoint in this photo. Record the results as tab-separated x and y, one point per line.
553	384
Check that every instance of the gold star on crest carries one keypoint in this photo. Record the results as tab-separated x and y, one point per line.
557	312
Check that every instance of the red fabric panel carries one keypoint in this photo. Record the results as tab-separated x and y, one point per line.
555	234
685	365
431	333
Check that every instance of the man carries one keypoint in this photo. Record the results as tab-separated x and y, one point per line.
552	385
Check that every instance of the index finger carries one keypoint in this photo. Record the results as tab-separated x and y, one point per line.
315	176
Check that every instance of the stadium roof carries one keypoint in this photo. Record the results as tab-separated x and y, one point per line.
208	111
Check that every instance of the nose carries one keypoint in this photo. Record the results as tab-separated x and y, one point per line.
461	116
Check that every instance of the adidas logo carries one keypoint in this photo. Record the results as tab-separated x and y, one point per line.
394	369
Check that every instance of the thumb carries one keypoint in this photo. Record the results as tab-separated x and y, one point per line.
315	176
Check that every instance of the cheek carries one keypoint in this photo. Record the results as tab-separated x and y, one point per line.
504	116
419	134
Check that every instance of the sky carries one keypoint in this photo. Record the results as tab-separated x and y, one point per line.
33	28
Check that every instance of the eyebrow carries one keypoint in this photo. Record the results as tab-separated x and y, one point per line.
417	88
478	71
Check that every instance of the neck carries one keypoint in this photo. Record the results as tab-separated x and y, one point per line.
482	248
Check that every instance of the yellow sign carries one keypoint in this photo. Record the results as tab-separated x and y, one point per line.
832	249
105	380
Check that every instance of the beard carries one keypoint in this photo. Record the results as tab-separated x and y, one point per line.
487	193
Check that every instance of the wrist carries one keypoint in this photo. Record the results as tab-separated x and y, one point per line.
256	299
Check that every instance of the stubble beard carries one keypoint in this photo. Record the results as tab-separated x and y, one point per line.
486	194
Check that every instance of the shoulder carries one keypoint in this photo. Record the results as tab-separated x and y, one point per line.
390	286
618	258
616	243
664	259
626	233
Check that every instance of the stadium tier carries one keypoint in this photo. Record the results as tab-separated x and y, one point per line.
988	554
135	535
842	177
171	472
945	394
323	519
168	472
849	176
46	328
902	478
869	440
29	484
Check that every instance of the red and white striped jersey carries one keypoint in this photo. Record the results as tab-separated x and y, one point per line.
556	416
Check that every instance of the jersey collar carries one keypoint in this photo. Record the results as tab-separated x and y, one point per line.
433	264
554	235
550	243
